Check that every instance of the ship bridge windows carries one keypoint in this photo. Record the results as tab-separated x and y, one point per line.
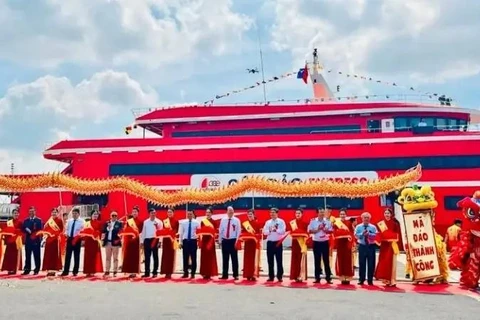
436	123
269	131
450	202
246	203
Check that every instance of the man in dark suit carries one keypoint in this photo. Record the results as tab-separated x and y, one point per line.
72	229
111	242
31	226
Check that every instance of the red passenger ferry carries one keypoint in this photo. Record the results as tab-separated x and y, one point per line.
208	146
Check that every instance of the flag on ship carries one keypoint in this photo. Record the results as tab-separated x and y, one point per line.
303	74
128	130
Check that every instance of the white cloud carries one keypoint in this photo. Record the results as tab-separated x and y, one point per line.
96	99
26	162
147	32
417	39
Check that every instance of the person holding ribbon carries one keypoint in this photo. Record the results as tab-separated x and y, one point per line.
74	226
91	235
344	242
229	232
52	257
298	262
387	260
208	255
112	242
189	245
31	226
12	235
321	228
275	230
252	240
148	237
169	244
366	234
131	243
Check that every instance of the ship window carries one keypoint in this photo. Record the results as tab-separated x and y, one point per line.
401	124
373	125
441	123
450	202
268	131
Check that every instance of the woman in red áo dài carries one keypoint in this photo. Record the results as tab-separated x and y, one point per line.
12	235
208	253
388	236
52	257
344	242
251	239
298	262
92	256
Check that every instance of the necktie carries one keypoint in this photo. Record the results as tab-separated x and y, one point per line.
73	228
367	241
189	234
228	228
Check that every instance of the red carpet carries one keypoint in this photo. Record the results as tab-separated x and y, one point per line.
403	287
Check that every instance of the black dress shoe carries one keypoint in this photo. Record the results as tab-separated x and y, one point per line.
64	274
223	278
74	274
370	283
154	275
146	276
361	283
235	278
316	281
35	272
329	281
270	280
25	273
192	276
185	276
280	280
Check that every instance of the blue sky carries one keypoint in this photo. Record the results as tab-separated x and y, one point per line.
75	68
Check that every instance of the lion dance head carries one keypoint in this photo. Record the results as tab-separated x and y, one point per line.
416	198
471	210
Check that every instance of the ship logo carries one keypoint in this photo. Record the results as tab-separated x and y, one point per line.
210	183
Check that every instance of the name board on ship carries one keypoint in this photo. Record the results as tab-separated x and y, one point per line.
421	245
212	181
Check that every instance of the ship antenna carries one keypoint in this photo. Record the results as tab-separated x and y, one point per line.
261	66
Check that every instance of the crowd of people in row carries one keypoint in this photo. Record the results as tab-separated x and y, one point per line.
63	239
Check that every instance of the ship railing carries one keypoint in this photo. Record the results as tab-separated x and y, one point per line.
406	98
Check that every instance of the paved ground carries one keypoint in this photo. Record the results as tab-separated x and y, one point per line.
84	300
454	275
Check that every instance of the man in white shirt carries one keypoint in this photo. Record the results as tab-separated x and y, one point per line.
148	237
229	231
274	229
188	236
321	228
73	228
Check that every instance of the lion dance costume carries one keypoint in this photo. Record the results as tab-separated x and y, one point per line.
466	255
415	199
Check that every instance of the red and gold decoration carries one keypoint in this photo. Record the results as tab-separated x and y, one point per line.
258	184
466	255
415	198
426	251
